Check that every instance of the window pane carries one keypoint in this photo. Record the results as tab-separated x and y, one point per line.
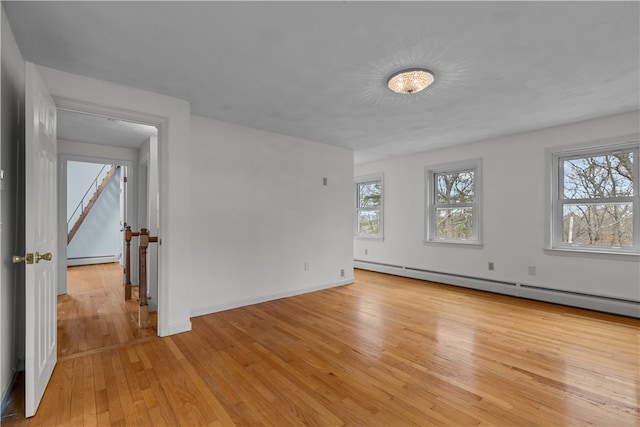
369	222
369	195
598	224
454	187
454	223
609	175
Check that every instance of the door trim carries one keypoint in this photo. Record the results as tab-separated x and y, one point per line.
162	123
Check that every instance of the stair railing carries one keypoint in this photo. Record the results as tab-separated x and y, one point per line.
94	198
145	239
94	186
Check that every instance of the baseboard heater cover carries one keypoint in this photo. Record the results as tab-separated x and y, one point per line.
575	299
94	257
92	260
461	276
578	299
379	263
481	284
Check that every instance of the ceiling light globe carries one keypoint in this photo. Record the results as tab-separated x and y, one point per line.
410	81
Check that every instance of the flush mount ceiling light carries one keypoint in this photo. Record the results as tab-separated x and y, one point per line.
410	81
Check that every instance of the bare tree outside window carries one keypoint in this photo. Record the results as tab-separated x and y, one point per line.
453	210
454	189
369	208
597	205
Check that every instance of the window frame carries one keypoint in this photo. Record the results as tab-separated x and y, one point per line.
431	206
555	241
367	179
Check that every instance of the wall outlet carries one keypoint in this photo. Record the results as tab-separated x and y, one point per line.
532	270
324	181
366	251
342	272
306	266
491	266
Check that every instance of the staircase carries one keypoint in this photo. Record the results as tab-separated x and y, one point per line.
86	209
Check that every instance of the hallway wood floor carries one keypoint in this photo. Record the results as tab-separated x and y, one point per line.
384	351
93	313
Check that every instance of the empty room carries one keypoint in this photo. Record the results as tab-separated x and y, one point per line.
335	213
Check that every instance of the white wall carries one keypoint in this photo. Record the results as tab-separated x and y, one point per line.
80	183
99	234
172	117
205	268
515	209
260	211
2	405
11	208
148	211
152	209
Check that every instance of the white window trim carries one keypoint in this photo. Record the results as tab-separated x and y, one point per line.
554	243
361	180
430	205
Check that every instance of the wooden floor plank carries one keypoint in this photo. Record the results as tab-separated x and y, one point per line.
383	351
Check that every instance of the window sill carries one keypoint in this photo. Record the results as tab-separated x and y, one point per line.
630	256
452	243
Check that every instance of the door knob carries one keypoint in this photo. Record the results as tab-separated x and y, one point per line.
44	257
28	259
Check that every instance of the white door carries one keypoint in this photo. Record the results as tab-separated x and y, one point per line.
40	238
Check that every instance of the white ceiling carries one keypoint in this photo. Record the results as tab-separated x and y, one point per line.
317	70
79	127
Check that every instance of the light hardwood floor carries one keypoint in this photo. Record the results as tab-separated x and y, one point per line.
93	313
384	351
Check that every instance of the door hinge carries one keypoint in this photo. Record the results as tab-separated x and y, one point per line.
125	179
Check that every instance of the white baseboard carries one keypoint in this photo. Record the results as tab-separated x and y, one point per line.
264	298
574	299
175	328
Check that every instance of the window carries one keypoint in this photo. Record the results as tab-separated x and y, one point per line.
595	202
453	203
369	215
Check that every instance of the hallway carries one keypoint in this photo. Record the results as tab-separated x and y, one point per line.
93	314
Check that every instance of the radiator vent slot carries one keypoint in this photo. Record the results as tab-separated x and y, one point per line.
440	273
579	294
379	263
461	276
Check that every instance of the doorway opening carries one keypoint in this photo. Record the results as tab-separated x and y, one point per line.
96	212
118	159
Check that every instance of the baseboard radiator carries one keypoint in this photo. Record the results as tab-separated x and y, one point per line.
575	299
71	262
